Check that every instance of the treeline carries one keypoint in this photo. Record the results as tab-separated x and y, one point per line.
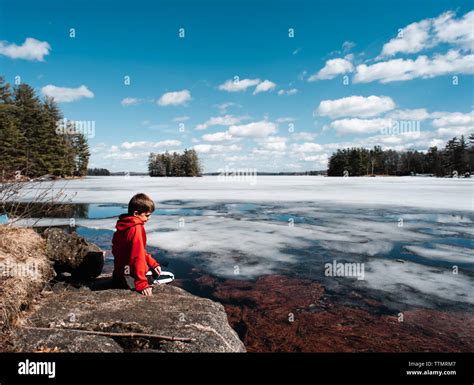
98	172
457	158
31	144
185	164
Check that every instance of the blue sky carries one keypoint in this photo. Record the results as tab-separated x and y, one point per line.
349	74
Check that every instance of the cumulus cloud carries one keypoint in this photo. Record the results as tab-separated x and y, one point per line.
453	62
216	148
359	126
223	107
264	86
238	86
274	143
444	119
428	33
450	132
414	114
306	136
411	39
175	98
291	91
356	106
241	85
459	32
66	95
129	101
147	144
226	120
332	68
255	129
127	155
217	137
31	49
307	147
285	119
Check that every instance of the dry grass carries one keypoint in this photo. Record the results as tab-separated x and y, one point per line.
24	271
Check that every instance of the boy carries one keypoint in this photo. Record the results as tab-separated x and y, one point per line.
131	261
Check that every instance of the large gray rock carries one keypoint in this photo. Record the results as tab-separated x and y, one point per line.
171	311
63	341
73	254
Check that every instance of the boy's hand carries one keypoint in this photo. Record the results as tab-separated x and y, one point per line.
157	270
146	292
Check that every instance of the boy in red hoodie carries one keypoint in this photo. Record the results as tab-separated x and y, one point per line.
129	246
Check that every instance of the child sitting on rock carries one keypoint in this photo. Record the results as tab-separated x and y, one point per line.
131	261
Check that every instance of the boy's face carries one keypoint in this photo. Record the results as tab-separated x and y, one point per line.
143	216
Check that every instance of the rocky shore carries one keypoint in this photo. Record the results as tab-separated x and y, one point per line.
67	306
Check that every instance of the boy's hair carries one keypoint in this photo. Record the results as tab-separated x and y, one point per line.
141	203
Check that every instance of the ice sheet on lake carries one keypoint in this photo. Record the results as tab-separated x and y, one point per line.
401	278
442	252
439	193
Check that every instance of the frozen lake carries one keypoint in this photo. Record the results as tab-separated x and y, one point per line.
414	235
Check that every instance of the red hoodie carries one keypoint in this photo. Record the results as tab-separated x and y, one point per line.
128	248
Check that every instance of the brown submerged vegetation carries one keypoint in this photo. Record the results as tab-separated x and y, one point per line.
261	312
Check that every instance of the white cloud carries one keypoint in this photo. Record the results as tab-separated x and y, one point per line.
359	126
255	129
411	39
415	114
459	32
306	136
217	137
223	107
291	91
444	119
356	106
31	49
130	101
453	131
332	68
236	158
307	147
237	86
175	98
264	86
123	155
428	33
286	119
216	148
146	144
348	45
321	159
226	120
274	143
422	67
65	95
275	146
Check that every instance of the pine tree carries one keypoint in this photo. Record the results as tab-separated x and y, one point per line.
30	118
12	157
55	144
81	153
